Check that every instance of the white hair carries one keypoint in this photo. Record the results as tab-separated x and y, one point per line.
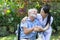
32	10
29	11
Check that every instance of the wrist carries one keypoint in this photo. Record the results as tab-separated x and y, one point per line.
32	29
44	29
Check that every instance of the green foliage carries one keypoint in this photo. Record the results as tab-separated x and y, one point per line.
11	13
56	21
3	31
13	37
8	17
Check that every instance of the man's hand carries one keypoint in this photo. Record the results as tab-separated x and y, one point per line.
38	29
24	19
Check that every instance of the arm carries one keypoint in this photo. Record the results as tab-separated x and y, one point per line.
27	31
24	19
39	28
44	29
25	28
48	25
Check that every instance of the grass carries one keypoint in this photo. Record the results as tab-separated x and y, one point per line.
12	36
55	37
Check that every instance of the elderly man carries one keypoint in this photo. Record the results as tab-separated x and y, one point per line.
28	28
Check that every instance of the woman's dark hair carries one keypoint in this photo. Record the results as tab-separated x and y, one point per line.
46	9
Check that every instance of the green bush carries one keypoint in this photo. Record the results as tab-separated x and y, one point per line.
11	13
3	31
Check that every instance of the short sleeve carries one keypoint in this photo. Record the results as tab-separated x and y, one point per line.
24	24
51	20
38	23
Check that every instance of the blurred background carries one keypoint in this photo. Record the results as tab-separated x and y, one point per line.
12	11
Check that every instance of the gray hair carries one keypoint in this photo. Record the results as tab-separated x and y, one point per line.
31	11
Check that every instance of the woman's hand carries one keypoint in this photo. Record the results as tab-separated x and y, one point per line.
47	26
38	29
41	29
24	19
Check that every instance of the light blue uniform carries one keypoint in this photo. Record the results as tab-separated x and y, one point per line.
29	24
47	33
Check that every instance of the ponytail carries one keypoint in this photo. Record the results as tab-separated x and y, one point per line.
46	9
48	19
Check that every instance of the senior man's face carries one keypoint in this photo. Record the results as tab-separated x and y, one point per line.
34	12
32	16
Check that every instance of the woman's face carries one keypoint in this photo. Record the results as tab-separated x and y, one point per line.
43	14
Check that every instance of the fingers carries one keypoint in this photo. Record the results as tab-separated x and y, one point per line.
24	19
36	29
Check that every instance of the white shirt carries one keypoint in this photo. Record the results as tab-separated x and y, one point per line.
43	22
